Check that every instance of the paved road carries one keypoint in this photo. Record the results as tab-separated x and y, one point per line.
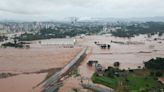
96	88
52	83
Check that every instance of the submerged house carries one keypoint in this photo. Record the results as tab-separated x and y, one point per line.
104	46
91	62
99	70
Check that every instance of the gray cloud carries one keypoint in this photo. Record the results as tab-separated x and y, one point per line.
54	9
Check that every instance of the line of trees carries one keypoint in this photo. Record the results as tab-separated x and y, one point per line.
2	38
61	32
149	28
155	64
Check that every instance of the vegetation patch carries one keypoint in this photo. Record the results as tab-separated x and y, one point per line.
155	64
133	80
107	81
61	31
150	28
140	83
16	44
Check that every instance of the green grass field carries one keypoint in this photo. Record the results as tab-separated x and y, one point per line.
138	81
109	82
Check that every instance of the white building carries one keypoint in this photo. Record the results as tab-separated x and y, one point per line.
59	42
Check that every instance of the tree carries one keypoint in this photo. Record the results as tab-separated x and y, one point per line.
156	64
110	71
116	64
158	74
15	40
139	67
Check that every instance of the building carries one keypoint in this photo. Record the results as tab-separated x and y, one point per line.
91	62
59	42
161	80
99	69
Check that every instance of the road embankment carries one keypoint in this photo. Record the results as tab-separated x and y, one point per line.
50	84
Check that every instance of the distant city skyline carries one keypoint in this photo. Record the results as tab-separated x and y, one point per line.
40	10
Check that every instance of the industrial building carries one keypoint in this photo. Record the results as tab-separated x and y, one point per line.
64	42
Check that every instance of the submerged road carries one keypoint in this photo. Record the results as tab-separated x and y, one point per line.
52	84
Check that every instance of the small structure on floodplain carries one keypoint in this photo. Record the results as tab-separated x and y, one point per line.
98	67
91	62
161	80
64	42
103	46
99	70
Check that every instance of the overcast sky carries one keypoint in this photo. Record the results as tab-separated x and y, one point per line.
59	9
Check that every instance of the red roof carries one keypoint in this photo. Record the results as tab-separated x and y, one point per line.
162	78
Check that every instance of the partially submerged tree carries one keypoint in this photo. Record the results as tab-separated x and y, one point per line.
155	64
116	64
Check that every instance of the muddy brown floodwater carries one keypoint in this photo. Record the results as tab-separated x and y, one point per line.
129	55
28	62
38	58
21	83
35	58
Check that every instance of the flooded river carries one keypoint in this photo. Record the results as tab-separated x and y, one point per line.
130	55
21	83
28	62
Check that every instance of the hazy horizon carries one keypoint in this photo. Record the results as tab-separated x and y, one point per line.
41	10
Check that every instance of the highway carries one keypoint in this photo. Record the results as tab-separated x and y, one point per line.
97	88
52	84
